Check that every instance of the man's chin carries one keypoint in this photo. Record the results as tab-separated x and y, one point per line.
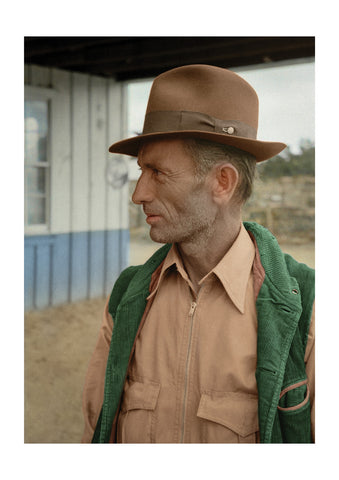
157	238
161	237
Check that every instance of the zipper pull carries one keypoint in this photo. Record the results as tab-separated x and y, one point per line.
192	309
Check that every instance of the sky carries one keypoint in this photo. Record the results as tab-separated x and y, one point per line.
286	102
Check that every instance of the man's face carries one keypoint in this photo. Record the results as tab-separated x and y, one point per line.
178	206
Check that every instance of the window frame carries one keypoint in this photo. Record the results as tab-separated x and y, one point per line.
33	93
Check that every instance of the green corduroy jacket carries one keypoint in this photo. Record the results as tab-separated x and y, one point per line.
284	309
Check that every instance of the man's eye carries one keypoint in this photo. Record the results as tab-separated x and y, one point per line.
155	172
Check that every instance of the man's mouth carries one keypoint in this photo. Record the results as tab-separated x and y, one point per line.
152	218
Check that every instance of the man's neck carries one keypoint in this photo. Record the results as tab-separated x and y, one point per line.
199	258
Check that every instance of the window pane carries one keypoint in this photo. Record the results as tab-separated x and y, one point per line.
36	180
36	151
36	211
36	129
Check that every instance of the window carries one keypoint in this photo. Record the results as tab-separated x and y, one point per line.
37	167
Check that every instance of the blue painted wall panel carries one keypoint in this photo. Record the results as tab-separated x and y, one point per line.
42	279
37	271
96	264
79	266
117	247
71	267
60	269
29	276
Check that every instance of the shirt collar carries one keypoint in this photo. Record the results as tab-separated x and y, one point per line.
173	258
233	270
235	267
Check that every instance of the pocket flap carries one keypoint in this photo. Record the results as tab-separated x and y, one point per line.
138	395
236	411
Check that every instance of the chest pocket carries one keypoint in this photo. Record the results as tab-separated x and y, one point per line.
136	418
229	417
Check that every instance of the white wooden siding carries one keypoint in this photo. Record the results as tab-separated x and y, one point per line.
86	117
80	153
98	152
116	200
61	153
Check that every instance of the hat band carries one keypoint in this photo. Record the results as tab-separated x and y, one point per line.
169	121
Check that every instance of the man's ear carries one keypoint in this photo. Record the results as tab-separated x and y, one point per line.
225	182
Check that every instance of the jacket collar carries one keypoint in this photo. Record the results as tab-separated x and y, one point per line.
271	265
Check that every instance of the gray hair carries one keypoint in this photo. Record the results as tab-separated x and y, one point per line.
206	154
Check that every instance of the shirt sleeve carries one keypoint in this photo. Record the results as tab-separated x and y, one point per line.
310	369
93	392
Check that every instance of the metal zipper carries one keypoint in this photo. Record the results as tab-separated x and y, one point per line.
190	314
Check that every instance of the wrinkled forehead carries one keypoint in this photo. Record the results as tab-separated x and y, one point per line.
167	155
166	149
167	144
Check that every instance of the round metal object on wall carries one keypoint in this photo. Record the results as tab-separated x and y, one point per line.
117	172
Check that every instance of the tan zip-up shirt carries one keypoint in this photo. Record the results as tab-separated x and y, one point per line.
192	376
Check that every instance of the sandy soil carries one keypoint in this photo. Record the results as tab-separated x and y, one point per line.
58	344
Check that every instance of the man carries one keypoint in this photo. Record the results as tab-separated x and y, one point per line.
213	338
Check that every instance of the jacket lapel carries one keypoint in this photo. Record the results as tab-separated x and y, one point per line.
278	311
127	318
277	323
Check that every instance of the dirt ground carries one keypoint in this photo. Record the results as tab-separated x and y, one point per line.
58	344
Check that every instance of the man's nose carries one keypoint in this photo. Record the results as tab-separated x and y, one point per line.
142	192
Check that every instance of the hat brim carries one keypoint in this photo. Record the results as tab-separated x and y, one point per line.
262	150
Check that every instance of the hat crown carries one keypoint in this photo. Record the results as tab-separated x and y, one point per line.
211	90
204	102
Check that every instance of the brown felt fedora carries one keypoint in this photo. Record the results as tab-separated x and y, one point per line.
202	101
